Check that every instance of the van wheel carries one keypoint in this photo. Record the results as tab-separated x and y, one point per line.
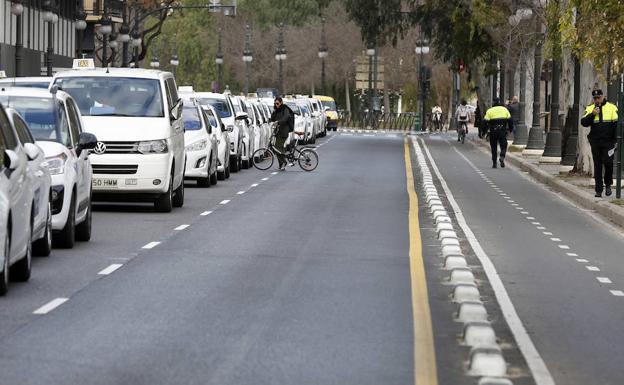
20	271
83	230
178	197
67	236
4	275
164	203
42	247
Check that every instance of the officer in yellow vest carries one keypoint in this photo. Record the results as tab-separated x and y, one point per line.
498	122
602	117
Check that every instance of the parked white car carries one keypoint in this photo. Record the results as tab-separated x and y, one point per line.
55	123
223	141
27	81
16	202
306	114
41	183
223	105
245	125
200	146
319	114
300	121
137	117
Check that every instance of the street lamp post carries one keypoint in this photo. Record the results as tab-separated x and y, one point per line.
552	150
370	52
569	156
155	64
81	25
18	9
247	57
175	62
124	36
219	62
535	143
422	48
51	18
521	135
280	56
106	28
322	54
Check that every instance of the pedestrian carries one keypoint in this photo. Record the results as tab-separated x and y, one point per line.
498	121
514	110
285	119
478	120
601	116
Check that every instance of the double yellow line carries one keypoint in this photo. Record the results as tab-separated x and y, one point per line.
425	370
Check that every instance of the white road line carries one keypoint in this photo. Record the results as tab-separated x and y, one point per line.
254	185
564	247
151	245
110	269
554	239
274	173
592	268
603	280
181	227
224	202
530	218
581	260
572	254
240	192
538	368
547	233
265	179
515	204
205	213
48	307
617	293
536	223
540	228
524	212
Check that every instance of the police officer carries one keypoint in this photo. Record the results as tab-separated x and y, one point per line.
602	117
498	122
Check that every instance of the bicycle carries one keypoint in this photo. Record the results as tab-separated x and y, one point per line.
263	158
461	131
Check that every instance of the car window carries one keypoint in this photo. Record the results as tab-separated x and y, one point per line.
220	105
63	124
173	89
22	130
115	96
212	120
191	118
330	104
7	131
74	121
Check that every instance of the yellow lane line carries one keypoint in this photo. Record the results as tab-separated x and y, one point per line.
425	371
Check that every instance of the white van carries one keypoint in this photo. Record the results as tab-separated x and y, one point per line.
136	115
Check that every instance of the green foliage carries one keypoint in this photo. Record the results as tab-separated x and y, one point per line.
381	21
268	13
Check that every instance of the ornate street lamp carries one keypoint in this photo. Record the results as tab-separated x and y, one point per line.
18	9
247	57
422	48
219	62
80	24
175	62
322	54
521	136
280	56
154	63
51	18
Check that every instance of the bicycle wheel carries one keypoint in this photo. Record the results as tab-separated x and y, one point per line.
308	159
263	159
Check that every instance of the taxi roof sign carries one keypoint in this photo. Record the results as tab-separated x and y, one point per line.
83	64
2	74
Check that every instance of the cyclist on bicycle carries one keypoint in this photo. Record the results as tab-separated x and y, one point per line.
285	119
436	117
463	117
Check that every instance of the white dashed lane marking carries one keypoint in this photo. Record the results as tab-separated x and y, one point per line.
254	185
581	260
265	179
151	245
240	192
110	269
592	268
564	247
181	227
205	213
617	293
555	239
572	254
603	280
224	202
48	307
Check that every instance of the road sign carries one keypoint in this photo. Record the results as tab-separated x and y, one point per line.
362	72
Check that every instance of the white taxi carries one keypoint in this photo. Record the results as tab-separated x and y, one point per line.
223	153
201	146
137	117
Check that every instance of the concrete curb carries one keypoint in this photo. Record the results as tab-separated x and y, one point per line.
584	199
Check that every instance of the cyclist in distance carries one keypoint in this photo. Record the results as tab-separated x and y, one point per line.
285	119
436	118
463	117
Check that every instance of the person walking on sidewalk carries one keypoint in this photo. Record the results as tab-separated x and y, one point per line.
478	120
498	121
514	110
601	116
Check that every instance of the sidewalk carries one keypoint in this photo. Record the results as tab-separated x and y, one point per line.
577	188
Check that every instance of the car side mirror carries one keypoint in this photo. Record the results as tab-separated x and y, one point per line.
11	160
86	141
209	129
242	116
176	111
32	151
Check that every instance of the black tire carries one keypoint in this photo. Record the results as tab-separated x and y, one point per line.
83	230
267	158
20	271
221	174
234	163
227	171
178	195
164	203
214	177
308	159
4	275
66	238
43	247
312	140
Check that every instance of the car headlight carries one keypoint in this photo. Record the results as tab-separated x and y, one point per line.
230	128
56	164
197	146
153	147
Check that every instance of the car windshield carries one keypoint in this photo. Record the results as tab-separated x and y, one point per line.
331	105
44	120
191	118
220	105
294	107
115	96
26	84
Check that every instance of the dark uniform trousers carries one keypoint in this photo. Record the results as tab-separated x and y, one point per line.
498	137
600	153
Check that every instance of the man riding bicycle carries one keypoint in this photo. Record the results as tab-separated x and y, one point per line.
463	117
285	119
436	118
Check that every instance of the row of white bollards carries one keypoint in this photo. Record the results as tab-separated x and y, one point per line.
486	358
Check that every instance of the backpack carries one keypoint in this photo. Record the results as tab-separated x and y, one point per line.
291	120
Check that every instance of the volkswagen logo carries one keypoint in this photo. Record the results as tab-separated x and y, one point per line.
99	148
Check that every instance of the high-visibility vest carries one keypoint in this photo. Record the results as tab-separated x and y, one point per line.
609	112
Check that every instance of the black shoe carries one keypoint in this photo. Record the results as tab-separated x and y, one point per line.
608	191
598	194
494	165
502	162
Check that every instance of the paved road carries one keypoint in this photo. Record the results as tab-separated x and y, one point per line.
303	279
562	268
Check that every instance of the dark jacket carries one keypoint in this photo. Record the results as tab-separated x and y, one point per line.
285	119
604	125
514	110
478	119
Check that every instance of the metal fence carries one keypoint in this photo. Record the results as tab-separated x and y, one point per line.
378	121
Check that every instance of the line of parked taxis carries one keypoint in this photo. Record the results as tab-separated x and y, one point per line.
116	135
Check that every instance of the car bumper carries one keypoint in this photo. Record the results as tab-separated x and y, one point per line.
197	163
332	123
61	200
151	175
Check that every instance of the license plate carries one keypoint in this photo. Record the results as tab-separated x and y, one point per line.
104	183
